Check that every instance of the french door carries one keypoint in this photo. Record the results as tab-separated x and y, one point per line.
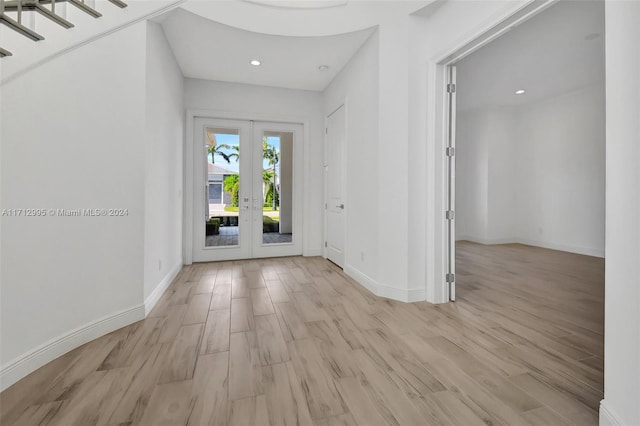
248	189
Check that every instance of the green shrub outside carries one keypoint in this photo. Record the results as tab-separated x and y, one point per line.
213	226
270	225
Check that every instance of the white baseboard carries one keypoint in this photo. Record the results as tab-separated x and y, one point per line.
416	295
157	293
36	358
410	295
363	279
587	251
607	417
487	241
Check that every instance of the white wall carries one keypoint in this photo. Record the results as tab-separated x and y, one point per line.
534	173
59	40
472	175
110	137
486	189
357	83
393	154
163	165
265	103
72	139
561	172
502	190
622	273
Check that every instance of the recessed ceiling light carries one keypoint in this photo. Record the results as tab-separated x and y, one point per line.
520	92
323	67
255	62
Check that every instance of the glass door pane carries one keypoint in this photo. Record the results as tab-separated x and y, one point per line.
222	167
223	181
277	189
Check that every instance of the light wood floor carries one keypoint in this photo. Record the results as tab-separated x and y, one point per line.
294	341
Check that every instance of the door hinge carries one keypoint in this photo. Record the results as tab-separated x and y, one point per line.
325	206
450	151
451	88
451	278
450	215
325	243
326	130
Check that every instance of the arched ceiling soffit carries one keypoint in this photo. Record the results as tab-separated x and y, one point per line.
303	18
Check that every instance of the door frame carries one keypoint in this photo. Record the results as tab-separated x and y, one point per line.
188	177
450	170
341	103
436	265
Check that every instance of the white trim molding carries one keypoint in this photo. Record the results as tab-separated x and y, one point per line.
157	293
486	241
25	364
607	416
381	290
363	279
586	251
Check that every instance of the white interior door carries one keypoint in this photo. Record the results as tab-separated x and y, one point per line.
334	178
248	189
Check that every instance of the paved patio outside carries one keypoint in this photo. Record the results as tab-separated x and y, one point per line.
229	237
217	210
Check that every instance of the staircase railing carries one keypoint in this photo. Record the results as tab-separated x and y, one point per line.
46	8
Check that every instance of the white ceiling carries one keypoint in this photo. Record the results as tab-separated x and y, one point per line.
348	16
209	50
558	51
300	4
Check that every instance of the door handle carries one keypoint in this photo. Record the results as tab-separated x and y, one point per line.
341	206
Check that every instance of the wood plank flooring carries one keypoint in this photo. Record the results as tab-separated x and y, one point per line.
294	341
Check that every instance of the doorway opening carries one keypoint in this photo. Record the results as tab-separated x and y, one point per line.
524	193
524	133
